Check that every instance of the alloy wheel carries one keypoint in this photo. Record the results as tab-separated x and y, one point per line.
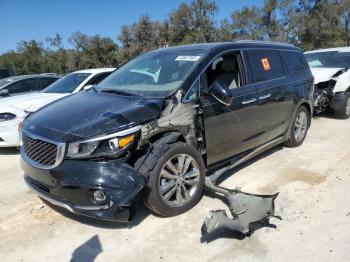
300	126
179	180
347	108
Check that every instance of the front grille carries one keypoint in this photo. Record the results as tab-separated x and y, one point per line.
40	151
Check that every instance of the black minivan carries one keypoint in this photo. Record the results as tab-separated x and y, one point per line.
156	126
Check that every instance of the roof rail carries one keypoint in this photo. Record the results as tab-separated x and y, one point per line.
263	42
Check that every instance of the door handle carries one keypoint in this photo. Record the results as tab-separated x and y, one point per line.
248	101
264	96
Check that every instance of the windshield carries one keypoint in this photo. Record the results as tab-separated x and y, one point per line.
66	84
329	59
155	74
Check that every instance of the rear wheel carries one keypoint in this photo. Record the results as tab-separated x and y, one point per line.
177	180
344	111
299	128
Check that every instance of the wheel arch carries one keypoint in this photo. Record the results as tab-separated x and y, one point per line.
169	137
157	142
308	107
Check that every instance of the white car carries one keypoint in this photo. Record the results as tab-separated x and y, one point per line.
14	109
331	69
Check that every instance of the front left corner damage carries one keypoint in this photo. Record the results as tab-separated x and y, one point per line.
175	117
72	185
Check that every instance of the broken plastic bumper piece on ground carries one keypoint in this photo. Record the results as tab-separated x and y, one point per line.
249	211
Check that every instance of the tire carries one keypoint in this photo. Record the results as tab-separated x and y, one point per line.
163	179
344	111
299	127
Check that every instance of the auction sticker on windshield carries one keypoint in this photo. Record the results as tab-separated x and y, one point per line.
187	58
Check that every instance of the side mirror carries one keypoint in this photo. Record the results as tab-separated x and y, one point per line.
86	88
221	93
4	92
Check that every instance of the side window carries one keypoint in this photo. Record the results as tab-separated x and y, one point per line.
27	85
44	82
265	65
97	78
192	93
296	60
225	69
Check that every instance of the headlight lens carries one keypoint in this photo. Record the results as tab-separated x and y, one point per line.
6	117
102	146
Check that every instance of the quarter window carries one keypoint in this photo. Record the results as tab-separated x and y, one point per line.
266	65
44	82
191	94
97	78
296	60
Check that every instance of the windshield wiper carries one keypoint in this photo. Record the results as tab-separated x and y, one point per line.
118	92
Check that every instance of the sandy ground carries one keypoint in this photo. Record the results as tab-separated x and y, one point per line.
314	202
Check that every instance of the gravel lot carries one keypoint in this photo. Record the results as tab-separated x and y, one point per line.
314	202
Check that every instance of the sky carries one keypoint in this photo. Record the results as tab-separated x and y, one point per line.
38	19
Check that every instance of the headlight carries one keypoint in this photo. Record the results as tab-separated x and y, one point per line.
109	145
6	117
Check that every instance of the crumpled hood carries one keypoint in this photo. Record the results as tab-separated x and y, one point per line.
29	102
86	114
322	74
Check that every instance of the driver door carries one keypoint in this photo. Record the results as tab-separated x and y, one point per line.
229	129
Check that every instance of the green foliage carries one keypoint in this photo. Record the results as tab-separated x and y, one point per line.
309	24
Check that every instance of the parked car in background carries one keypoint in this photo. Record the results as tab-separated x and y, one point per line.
14	109
4	73
17	85
163	120
331	69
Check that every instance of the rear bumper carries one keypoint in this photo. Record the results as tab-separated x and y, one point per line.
72	185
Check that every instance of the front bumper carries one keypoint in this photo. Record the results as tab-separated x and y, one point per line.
72	184
9	134
337	101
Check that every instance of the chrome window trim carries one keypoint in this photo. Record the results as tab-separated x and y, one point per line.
61	149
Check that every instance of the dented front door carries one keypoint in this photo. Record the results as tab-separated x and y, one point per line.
230	130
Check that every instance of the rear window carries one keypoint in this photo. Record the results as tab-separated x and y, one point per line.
265	64
46	81
296	61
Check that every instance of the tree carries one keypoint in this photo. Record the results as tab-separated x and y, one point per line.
309	24
203	12
247	23
181	24
345	19
59	56
77	58
31	57
224	33
100	52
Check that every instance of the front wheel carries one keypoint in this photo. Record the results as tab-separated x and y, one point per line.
176	182
299	128
344	111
